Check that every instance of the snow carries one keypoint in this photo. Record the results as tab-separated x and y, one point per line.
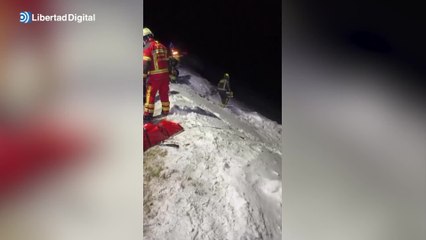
224	180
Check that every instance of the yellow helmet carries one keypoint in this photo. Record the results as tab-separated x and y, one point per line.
226	76
147	32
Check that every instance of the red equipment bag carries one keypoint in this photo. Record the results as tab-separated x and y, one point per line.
154	134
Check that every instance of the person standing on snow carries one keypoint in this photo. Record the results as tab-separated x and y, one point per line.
155	74
174	73
224	90
173	62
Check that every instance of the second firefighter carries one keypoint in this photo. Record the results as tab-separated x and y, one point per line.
224	90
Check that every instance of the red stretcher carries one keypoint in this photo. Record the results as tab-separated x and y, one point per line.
155	133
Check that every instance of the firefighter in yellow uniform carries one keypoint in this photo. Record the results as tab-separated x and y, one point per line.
224	90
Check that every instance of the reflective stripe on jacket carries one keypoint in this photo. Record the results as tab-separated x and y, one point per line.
155	60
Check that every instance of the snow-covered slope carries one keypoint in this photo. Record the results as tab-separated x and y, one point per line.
224	180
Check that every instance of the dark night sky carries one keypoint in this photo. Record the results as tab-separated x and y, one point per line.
240	37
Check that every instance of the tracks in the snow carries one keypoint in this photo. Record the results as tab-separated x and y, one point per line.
201	191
